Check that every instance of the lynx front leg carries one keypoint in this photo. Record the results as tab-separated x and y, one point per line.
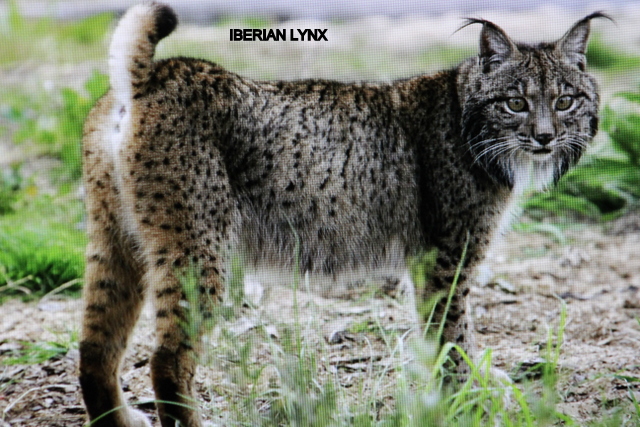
452	308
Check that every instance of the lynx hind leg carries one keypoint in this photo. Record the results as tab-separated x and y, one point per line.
179	249
113	296
113	291
185	215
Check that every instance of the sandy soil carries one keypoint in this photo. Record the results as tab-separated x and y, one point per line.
596	272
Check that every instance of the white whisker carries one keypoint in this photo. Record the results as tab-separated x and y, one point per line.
495	146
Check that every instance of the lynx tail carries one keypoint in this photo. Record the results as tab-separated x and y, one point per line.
133	45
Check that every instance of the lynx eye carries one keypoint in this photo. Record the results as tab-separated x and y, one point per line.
517	105
564	102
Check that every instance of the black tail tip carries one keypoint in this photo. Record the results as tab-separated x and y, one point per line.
166	20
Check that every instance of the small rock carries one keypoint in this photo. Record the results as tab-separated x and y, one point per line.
73	354
484	275
253	290
350	311
338	337
10	347
243	325
74	409
505	286
51	306
272	331
574	257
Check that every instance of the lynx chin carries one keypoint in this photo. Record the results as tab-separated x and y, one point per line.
187	164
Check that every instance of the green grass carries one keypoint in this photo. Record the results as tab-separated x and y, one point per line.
605	57
55	125
49	40
11	184
32	353
41	248
295	386
292	388
41	245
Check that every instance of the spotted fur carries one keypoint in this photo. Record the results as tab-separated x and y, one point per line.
185	163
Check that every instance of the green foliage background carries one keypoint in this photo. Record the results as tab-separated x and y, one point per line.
41	216
41	237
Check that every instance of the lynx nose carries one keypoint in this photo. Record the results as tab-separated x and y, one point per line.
544	138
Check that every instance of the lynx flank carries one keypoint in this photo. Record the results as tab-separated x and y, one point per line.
186	163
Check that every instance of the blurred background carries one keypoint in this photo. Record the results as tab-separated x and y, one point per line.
53	64
207	11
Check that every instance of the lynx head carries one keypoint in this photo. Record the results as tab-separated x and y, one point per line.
528	111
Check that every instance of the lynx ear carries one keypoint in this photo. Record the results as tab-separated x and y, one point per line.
495	45
573	45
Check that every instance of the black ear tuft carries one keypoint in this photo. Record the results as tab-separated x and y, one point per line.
573	45
495	45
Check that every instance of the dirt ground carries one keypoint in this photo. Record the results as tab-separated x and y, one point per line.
595	271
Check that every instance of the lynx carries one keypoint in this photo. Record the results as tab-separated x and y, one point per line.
186	163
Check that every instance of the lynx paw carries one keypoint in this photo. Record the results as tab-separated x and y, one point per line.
135	418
